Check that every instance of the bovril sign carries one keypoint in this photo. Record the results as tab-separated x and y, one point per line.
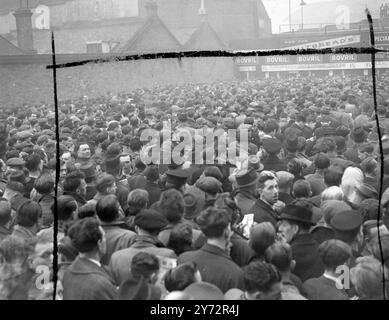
277	59
247	60
309	58
343	57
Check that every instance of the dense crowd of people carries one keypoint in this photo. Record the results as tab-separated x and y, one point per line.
285	220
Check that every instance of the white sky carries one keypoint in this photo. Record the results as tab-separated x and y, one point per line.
278	10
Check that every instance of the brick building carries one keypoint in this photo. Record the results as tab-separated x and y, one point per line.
83	26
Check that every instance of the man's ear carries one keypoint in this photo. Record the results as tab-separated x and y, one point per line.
292	265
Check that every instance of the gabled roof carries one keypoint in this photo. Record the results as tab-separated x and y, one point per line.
7	48
154	36
205	38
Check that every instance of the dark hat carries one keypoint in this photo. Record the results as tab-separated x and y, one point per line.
271	145
150	220
359	133
246	177
342	131
331	208
254	162
89	170
15	162
209	185
194	200
328	131
297	213
349	220
100	124
177	176
15	186
212	171
18	176
151	173
113	153
24	134
292	142
204	291
48	132
367	191
104	181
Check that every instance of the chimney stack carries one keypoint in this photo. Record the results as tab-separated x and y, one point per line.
24	27
151	8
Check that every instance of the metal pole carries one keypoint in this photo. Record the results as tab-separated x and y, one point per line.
290	16
57	168
302	17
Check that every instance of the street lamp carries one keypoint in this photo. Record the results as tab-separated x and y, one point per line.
290	17
302	4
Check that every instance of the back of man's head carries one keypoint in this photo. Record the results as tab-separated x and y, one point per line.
213	222
332	177
301	189
85	234
66	207
279	254
260	276
28	214
44	184
322	162
33	162
73	181
144	264
107	208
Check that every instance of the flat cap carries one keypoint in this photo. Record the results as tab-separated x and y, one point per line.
15	162
331	208
367	191
347	221
177	176
150	220
271	145
24	134
209	185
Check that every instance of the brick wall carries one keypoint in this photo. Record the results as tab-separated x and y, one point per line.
32	83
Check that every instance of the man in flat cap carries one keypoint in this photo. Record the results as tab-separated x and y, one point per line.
347	227
176	179
148	224
211	187
15	164
271	160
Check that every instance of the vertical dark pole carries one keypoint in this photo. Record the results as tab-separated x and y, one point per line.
373	73
57	170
